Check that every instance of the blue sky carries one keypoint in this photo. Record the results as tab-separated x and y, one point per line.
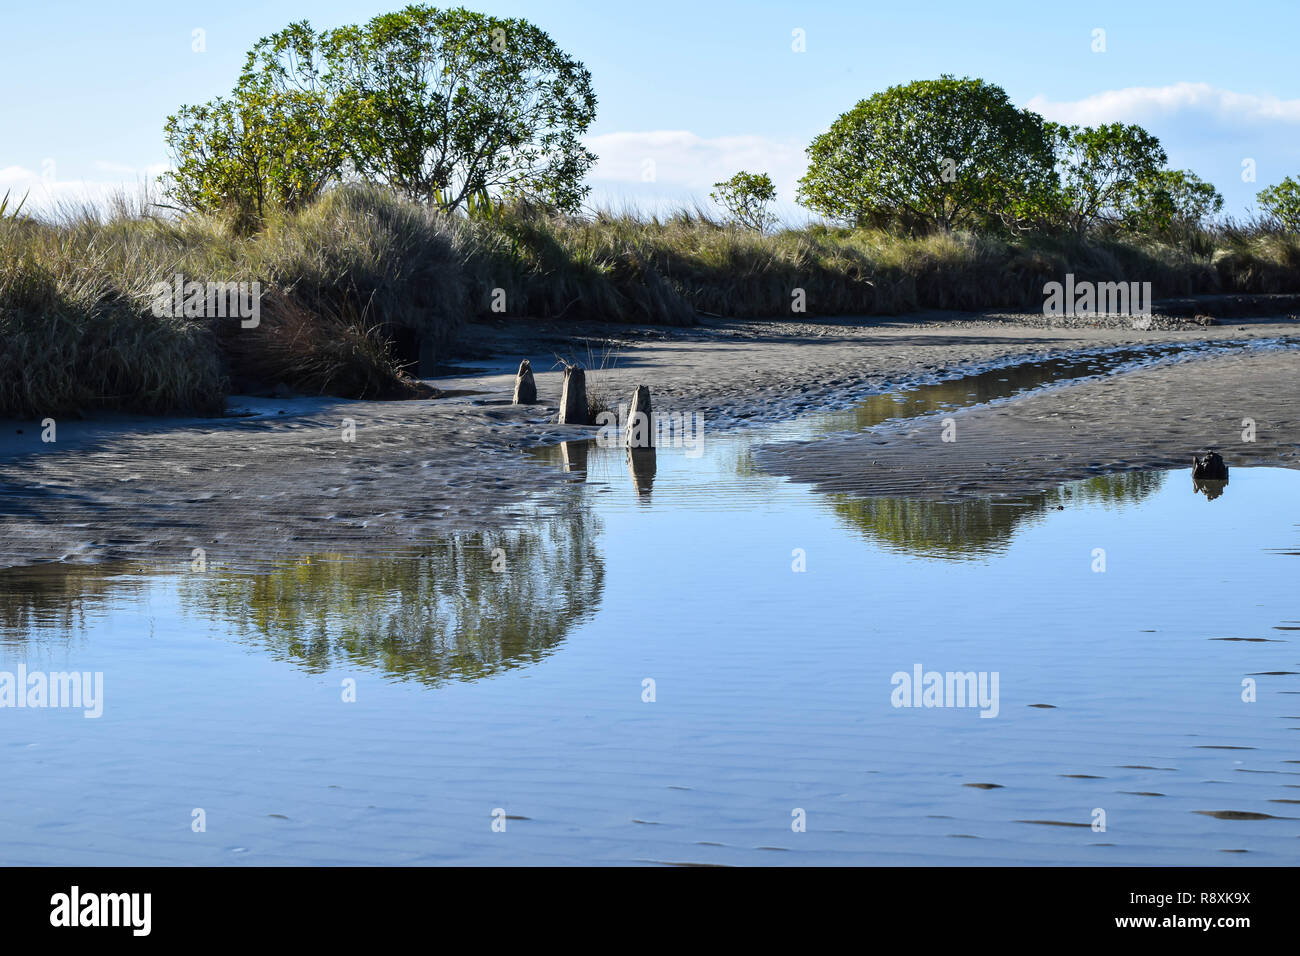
690	92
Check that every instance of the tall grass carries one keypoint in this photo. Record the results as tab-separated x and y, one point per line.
360	285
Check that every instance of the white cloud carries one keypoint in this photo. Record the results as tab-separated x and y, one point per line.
15	175
48	193
1148	103
1211	131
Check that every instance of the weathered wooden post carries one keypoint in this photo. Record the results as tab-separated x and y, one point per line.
573	397
640	431
525	386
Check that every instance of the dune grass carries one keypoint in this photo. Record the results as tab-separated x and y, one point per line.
354	287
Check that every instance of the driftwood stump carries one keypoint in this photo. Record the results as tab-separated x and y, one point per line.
640	432
1211	467
525	386
573	397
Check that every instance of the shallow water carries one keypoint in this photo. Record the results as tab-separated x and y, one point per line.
1011	378
521	689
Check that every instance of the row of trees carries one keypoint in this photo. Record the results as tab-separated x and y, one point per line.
950	153
453	107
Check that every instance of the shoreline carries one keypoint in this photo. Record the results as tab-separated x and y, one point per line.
282	480
1148	418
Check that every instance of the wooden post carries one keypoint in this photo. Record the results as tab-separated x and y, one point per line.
525	386
640	431
573	397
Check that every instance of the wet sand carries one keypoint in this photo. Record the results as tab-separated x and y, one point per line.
1150	418
283	479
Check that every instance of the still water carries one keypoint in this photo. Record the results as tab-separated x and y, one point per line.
682	661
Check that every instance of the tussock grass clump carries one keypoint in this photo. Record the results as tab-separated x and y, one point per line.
1259	261
72	339
344	285
553	266
332	350
363	253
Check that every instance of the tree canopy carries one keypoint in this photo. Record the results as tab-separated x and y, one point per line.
1104	172
1282	203
944	154
442	106
933	154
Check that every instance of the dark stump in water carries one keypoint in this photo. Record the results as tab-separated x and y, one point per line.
1209	468
525	386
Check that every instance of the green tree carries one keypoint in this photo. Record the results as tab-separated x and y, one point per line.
1282	203
1174	199
1106	172
273	143
448	105
934	154
745	197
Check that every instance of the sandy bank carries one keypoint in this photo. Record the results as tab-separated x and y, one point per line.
1152	418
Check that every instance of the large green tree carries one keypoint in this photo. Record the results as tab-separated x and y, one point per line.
933	154
447	105
443	106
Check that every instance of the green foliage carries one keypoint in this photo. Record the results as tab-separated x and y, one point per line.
272	144
956	154
745	197
1172	202
1107	174
934	154
445	107
351	280
1282	203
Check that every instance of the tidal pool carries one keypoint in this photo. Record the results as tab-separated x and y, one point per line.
680	662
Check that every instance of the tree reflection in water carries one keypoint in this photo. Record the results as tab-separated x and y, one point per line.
975	528
470	606
465	607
